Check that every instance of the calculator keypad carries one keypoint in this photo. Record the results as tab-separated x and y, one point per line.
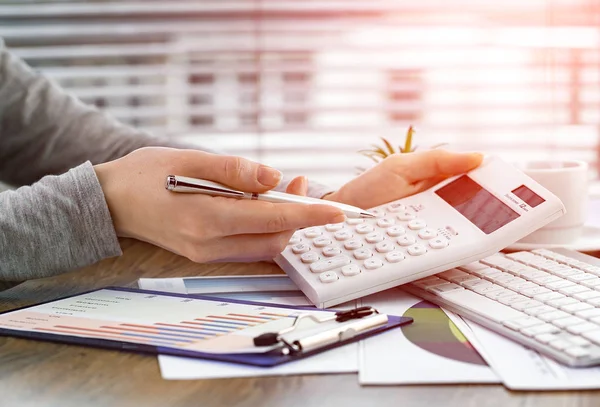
348	249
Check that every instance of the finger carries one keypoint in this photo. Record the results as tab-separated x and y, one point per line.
418	166
235	172
298	186
246	248
265	217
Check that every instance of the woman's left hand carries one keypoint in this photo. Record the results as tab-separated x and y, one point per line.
401	175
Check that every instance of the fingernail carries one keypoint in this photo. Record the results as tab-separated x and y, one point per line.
268	176
304	186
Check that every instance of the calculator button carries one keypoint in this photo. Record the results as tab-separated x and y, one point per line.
353	244
294	240
374	237
417	250
438	243
328	277
427	233
312	232
354	221
385	222
321	241
395	256
396	207
300	248
384	247
396	230
417	224
406	240
334	227
350	270
329	264
362	254
342	234
364	228
331	251
379	213
372	264
406	216
309	257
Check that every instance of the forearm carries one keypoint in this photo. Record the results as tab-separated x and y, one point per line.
58	224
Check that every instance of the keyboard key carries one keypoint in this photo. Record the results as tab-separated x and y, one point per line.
417	250
353	244
557	285
594	301
406	240
395	231
488	271
548	297
404	216
577	278
539	329
395	207
385	222
494	295
577	306
342	235
579	341
334	227
438	243
331	251
362	254
532	292
546	338
417	224
471	267
428	282
586	295
484	289
329	264
523	305
542	309
394	257
309	257
294	240
497	261
322	241
384	247
462	279
448	274
350	270
581	328
511	299
300	248
565	322
372	264
444	288
328	277
593	336
553	316
364	228
573	290
428	233
312	232
355	221
588	313
473	282
562	301
517	286
577	352
523	322
545	280
374	237
379	213
560	344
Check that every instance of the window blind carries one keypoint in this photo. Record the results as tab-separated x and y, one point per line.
304	84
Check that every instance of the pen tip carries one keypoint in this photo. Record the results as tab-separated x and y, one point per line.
366	215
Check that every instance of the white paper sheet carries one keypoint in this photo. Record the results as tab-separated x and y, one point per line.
521	368
429	351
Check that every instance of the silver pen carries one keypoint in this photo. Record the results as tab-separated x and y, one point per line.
177	183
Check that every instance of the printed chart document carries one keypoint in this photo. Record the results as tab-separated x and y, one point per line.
430	350
521	368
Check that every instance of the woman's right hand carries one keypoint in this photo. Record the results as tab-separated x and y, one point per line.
200	227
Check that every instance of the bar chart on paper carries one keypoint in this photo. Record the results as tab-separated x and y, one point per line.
171	321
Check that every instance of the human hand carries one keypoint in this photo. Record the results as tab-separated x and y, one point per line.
200	227
401	175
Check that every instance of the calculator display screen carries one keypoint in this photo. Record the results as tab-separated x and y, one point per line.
527	195
476	204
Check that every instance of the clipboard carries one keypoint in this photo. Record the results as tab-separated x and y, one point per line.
194	326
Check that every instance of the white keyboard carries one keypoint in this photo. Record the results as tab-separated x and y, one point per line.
547	300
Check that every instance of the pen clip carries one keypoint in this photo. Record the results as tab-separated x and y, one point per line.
185	184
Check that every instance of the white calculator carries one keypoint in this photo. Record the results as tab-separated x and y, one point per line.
461	220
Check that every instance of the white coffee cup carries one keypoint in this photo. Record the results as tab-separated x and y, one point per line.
568	180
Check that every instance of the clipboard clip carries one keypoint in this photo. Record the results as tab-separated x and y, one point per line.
324	338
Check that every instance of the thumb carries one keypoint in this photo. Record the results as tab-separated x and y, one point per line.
235	172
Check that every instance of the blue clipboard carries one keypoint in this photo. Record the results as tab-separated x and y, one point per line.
282	353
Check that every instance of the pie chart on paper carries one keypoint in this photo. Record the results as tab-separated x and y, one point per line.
434	332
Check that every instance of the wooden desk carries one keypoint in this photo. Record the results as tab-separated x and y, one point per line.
34	373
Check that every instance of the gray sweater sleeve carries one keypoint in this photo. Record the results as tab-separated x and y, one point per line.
51	140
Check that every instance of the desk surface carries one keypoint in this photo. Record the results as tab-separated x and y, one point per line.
36	373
